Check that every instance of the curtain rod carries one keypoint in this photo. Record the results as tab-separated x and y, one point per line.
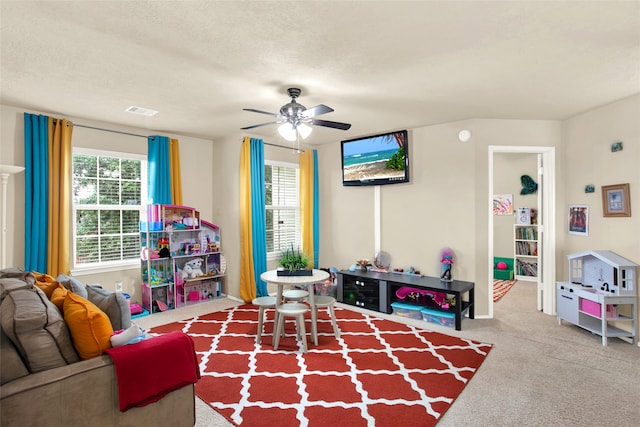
284	146
109	130
102	129
144	136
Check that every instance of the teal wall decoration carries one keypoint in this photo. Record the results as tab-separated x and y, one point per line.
529	186
616	146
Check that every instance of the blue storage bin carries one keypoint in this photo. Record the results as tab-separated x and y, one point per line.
407	310
441	318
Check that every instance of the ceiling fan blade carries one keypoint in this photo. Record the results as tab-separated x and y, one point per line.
317	110
261	112
257	126
334	125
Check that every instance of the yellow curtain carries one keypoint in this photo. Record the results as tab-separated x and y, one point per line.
247	279
176	178
306	203
59	196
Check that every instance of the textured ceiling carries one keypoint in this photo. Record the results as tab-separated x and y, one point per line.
381	65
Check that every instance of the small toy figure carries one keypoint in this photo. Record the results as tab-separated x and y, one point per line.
163	242
447	261
192	269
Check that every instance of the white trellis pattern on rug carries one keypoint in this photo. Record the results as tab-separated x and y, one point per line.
377	373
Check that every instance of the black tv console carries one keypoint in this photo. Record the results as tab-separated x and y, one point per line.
377	291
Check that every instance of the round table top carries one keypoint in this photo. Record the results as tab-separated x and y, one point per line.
271	276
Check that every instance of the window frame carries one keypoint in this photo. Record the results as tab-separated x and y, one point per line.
107	266
276	254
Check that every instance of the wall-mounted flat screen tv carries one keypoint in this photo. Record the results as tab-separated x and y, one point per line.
376	160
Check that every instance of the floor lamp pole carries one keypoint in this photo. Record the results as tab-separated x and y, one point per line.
5	172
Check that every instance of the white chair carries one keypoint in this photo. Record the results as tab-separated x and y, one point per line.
324	301
291	309
263	303
297	295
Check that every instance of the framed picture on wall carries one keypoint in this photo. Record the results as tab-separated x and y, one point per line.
579	220
503	204
615	200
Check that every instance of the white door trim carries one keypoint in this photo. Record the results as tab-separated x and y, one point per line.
546	300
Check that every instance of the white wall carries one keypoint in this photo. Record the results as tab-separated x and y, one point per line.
587	140
196	156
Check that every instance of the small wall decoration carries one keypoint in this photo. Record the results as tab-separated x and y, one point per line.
579	220
616	146
529	186
503	204
589	188
615	200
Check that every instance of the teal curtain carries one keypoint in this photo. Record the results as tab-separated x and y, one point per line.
36	159
258	215
159	170
316	212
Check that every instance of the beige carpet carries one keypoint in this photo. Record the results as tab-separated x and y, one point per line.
538	373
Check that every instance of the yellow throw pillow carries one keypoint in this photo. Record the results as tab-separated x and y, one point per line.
45	282
90	327
58	296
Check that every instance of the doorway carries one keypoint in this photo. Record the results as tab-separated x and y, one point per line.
545	157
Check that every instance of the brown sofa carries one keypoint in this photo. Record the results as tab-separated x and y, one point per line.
45	383
86	394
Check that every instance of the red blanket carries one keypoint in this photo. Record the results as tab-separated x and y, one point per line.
150	369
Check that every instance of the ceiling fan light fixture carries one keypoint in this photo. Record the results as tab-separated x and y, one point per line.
287	131
304	130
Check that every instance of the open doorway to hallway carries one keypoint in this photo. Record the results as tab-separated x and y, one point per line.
535	242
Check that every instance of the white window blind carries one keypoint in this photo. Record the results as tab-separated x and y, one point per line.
282	207
108	193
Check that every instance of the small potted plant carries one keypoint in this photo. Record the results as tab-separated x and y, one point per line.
294	263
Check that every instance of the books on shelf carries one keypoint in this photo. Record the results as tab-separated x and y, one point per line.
526	233
524	268
526	248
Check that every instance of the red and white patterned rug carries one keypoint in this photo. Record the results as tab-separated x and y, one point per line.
378	373
501	287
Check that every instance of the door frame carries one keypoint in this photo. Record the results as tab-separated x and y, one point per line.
546	296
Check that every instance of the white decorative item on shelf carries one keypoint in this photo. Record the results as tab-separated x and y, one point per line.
523	216
223	264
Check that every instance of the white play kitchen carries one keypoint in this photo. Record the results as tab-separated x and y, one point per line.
601	295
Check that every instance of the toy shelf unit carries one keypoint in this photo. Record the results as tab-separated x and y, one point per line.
526	252
378	291
181	258
600	295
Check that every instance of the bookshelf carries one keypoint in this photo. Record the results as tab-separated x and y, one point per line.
526	252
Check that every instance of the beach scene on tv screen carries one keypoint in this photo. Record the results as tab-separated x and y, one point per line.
379	157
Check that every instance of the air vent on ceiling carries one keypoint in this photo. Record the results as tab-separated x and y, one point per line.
141	111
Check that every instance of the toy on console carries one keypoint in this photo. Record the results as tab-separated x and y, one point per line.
415	294
447	262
